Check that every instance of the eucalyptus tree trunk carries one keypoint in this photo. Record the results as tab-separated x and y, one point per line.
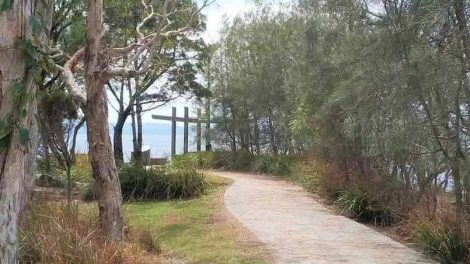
17	155
100	147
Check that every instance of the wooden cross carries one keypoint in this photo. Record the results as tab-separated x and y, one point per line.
186	119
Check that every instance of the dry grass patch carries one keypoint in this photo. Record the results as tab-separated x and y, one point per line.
57	233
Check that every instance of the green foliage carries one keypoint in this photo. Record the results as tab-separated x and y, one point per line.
448	245
318	177
354	201
358	203
238	161
5	131
182	184
274	165
200	160
36	24
20	95
89	194
24	136
6	5
50	181
81	171
16	89
157	183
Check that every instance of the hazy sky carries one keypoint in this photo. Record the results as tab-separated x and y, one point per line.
215	16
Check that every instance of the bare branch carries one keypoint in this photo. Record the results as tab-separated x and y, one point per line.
69	69
124	50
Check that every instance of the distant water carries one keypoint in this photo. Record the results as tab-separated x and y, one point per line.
156	136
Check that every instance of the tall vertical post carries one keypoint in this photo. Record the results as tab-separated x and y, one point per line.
208	126
198	131
186	130
173	132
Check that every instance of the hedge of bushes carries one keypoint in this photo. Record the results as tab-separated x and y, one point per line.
279	165
157	183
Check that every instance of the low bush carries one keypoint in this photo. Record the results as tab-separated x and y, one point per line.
45	180
57	233
353	201
148	241
200	160
157	183
183	184
319	177
81	172
442	233
238	161
56	175
448	244
357	203
89	193
275	165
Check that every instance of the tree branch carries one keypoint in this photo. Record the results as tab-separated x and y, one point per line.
69	69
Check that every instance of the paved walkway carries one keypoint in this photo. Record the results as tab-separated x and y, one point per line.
299	230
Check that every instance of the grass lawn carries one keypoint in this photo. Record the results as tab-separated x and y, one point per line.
197	230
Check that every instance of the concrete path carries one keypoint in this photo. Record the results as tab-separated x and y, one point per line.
299	230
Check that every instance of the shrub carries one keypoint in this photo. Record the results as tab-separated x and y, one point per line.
200	160
237	161
449	245
274	165
57	176
159	183
45	180
148	242
89	193
81	172
353	201
318	177
183	184
357	203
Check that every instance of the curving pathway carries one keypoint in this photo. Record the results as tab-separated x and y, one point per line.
296	229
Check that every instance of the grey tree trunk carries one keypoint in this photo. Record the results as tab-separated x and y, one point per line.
138	148
17	160
117	140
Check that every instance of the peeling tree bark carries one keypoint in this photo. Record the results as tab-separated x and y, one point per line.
17	161
101	150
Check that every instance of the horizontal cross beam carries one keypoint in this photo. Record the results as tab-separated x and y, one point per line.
177	119
194	120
